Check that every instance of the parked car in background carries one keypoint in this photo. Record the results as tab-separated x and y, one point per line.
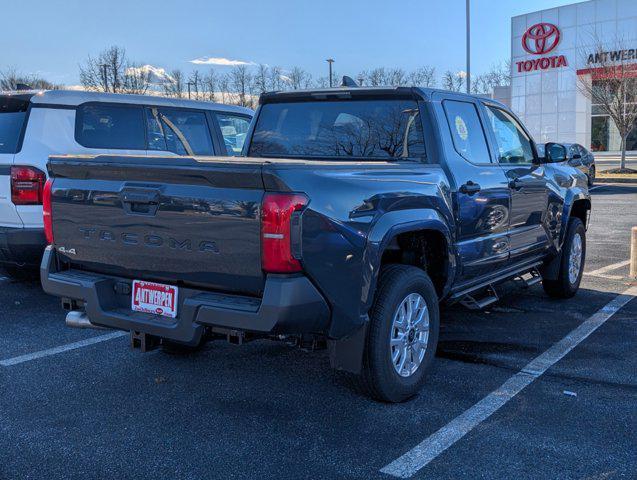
578	157
355	213
36	124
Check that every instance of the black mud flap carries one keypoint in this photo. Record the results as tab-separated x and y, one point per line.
347	353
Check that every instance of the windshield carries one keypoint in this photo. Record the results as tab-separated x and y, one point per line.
361	129
13	111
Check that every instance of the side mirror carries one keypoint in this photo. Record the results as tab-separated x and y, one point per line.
555	153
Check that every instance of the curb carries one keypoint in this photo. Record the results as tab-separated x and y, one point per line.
615	180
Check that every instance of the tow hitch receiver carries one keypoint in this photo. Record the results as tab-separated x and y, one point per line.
143	341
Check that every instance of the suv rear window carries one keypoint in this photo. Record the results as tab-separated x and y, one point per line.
362	129
111	127
13	112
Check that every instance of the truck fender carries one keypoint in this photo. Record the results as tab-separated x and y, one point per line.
551	269
385	229
347	353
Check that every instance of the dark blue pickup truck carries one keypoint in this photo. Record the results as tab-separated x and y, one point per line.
354	214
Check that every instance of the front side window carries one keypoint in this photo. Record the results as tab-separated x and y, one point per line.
360	129
234	129
466	131
183	132
13	113
111	127
514	145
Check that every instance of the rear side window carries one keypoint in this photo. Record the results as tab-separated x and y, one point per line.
234	129
110	127
360	129
13	114
184	132
466	131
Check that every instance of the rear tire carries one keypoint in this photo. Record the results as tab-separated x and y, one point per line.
571	269
404	321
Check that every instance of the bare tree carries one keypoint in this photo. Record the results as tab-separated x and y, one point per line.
275	78
209	83
174	87
423	77
136	80
452	81
224	89
612	87
194	82
261	78
11	79
299	78
241	83
104	72
111	71
498	75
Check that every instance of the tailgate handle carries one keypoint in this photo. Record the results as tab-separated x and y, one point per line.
140	202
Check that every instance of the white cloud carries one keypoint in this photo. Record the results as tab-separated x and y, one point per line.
156	75
462	74
285	78
225	62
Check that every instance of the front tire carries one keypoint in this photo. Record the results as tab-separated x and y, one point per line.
403	334
571	262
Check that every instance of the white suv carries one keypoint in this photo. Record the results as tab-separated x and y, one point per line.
34	125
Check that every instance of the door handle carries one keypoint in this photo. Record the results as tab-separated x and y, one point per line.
140	201
516	184
469	188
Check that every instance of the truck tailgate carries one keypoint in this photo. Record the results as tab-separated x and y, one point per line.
171	219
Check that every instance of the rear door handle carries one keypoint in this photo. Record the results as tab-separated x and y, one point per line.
469	188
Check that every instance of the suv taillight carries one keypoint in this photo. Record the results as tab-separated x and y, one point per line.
27	185
46	211
277	211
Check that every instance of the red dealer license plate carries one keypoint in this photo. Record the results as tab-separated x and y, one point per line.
157	298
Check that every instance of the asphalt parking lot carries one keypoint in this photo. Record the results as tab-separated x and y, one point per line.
266	410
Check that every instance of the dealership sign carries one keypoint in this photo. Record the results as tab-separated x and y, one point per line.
541	39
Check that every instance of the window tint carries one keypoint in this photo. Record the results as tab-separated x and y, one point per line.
111	126
234	129
466	131
183	132
13	112
339	128
514	146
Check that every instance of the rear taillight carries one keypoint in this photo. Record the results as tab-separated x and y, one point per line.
277	213
27	185
46	211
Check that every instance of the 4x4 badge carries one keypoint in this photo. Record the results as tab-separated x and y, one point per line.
69	251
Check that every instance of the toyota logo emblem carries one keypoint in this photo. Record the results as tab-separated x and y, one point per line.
541	38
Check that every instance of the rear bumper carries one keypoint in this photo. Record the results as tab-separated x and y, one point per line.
290	305
21	246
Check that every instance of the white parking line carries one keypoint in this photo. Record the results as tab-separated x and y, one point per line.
62	348
595	187
418	457
601	272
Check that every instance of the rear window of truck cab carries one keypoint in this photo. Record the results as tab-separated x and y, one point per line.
360	129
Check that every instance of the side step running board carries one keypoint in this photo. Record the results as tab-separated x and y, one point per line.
472	303
531	278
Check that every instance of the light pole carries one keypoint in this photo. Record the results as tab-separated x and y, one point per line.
469	46
188	85
105	75
330	61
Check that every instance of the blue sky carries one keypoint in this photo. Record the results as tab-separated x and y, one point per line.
51	37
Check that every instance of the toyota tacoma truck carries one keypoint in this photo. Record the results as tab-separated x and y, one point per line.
353	214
